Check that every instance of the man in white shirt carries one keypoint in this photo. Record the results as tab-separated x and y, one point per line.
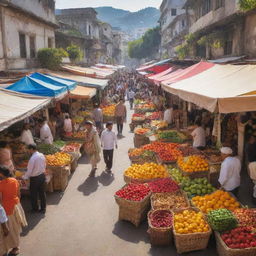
199	136
108	142
26	135
168	115
36	174
229	178
45	132
131	95
68	128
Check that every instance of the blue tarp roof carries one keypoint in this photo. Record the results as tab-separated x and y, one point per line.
37	87
71	85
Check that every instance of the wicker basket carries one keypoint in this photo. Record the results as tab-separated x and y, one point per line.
191	242
159	236
194	175
223	250
140	140
128	180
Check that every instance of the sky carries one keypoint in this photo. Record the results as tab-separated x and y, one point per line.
131	5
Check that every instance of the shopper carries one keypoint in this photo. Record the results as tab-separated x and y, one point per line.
4	231
45	132
120	115
92	146
199	136
68	128
10	200
26	135
168	115
97	116
36	174
6	156
131	95
251	157
229	178
108	142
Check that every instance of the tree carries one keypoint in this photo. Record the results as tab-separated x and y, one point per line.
145	46
74	52
247	5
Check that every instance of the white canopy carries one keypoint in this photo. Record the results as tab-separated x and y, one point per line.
16	107
223	88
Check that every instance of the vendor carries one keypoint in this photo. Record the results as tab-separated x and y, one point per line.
229	178
68	126
26	135
251	157
6	156
168	115
45	132
199	136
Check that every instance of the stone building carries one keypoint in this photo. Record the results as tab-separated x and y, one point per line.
26	26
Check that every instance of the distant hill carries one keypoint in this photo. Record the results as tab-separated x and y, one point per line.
129	21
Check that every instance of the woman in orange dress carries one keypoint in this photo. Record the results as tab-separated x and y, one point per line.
6	157
9	199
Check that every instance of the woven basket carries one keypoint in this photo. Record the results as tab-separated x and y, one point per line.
223	250
140	140
159	236
128	180
194	175
191	242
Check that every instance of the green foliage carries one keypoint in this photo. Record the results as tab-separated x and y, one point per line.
74	52
145	46
51	58
247	5
190	38
216	39
202	41
182	50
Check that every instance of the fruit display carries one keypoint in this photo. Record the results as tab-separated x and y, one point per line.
109	110
133	192
240	238
18	174
78	119
167	152
189	222
158	124
169	201
193	163
147	107
217	200
71	147
141	131
79	135
246	217
141	154
138	117
18	147
59	143
171	136
85	114
188	150
146	171
166	185
22	165
153	115
221	220
161	219
58	159
47	149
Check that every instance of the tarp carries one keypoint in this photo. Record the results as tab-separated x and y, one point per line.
169	70
16	107
162	62
82	80
83	93
70	85
220	88
114	67
37	87
188	72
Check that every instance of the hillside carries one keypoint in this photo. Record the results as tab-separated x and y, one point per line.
129	21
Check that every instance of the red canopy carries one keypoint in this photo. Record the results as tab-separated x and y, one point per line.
188	72
171	69
158	69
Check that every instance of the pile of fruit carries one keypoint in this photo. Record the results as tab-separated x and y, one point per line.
177	175
135	152
167	152
79	135
159	124
197	187
146	171
141	131
147	107
141	154
47	149
221	220
78	119
18	147
240	238
193	163
189	151
168	201
133	192
58	159
138	117
154	115
189	222
161	219
166	185
85	113
109	110
246	217
172	136
72	147
217	200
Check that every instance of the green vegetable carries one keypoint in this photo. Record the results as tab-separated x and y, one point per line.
47	149
59	143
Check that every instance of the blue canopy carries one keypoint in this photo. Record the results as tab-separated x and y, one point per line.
37	87
71	85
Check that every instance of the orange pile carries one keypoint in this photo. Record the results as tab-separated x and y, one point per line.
217	200
58	159
193	163
135	152
141	131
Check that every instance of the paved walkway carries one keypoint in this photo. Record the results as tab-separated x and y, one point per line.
83	221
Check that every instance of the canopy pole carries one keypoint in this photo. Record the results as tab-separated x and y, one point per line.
46	111
240	146
219	130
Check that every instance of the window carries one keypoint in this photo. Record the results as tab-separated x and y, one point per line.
32	45
173	12
219	4
50	42
183	23
23	50
228	48
90	30
207	6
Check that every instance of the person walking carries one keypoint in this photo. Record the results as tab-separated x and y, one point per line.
68	128
4	230
36	174
92	146
10	200
97	116
45	132
120	115
108	142
131	95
